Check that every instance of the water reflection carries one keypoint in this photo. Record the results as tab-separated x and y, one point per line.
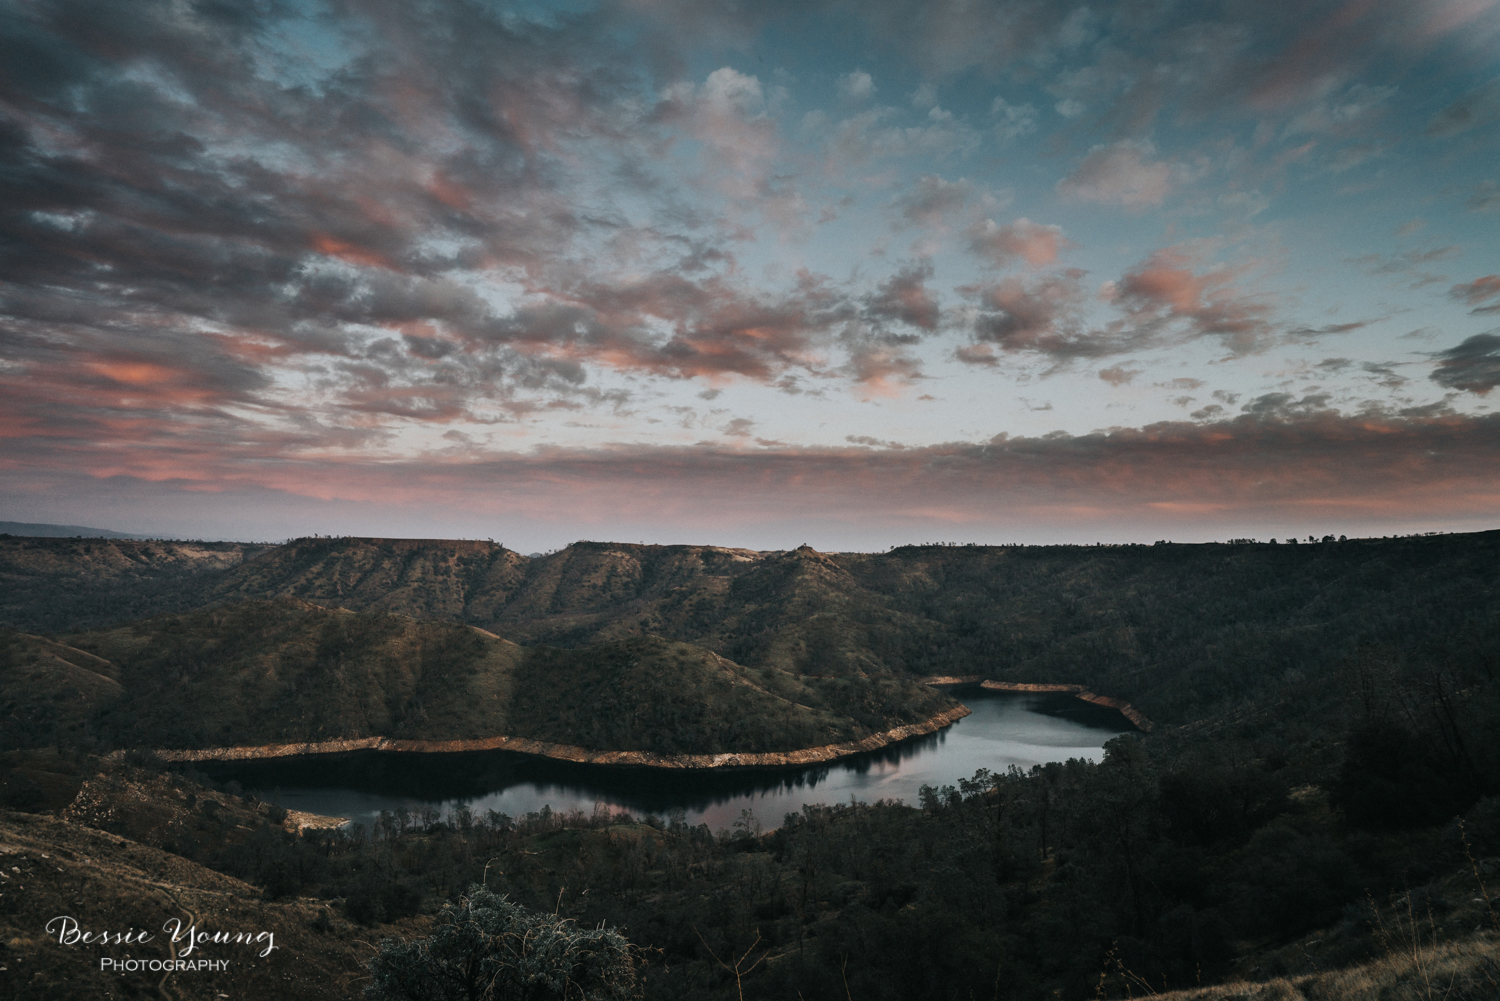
1004	729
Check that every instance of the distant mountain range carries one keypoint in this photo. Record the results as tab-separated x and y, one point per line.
1183	632
40	531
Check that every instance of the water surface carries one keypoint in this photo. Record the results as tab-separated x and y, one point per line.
1004	729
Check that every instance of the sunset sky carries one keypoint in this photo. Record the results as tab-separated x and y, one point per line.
753	274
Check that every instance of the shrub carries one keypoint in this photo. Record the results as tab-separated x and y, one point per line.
487	947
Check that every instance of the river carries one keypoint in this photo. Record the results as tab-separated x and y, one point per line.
1004	729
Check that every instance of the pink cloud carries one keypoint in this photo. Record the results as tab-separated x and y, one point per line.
1042	314
1479	292
1280	463
1121	174
1166	288
1119	375
905	298
716	327
1035	243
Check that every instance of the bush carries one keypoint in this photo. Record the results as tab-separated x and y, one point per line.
487	947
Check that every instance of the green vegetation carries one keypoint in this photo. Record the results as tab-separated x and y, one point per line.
51	585
51	693
1326	715
1245	848
288	671
650	694
1182	632
1185	632
486	947
261	672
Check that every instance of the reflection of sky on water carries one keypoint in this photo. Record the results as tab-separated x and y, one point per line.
1003	730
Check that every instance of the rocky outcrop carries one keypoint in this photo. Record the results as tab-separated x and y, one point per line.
581	755
1078	691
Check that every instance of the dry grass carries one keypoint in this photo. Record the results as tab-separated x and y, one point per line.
109	882
1466	970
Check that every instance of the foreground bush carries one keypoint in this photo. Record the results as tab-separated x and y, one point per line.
486	947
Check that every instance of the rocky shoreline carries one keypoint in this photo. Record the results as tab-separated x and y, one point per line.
579	755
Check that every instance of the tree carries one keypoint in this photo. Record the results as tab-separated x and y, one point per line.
486	948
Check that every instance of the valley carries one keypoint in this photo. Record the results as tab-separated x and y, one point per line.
1307	724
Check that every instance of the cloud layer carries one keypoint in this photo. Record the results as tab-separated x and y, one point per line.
1282	467
299	247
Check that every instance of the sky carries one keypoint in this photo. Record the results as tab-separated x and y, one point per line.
758	274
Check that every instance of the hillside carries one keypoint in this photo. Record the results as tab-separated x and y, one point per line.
651	694
1182	631
1326	714
53	585
426	578
128	853
262	672
51	692
259	672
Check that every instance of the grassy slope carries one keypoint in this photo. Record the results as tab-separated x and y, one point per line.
51	692
264	672
799	611
425	578
1182	631
112	882
56	585
651	694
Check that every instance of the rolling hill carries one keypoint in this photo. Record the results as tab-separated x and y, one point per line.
1181	631
260	672
55	585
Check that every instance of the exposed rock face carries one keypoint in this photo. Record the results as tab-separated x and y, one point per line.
581	755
